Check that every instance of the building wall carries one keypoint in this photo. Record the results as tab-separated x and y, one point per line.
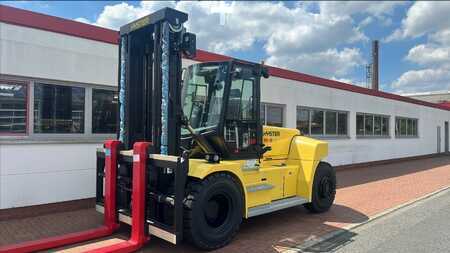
36	53
39	173
39	169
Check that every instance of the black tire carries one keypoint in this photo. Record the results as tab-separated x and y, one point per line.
324	189
213	211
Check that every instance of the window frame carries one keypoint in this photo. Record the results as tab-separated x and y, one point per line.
373	135
27	85
31	137
264	105
324	135
416	132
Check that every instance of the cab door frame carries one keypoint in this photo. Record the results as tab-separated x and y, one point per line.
254	152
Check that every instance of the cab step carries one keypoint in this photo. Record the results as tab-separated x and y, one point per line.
276	205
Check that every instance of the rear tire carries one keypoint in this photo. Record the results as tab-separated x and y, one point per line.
324	189
213	211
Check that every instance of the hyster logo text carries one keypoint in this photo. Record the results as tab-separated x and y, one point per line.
272	133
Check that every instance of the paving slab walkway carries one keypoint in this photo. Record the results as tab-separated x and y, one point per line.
363	192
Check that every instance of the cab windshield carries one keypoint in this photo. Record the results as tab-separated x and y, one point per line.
202	94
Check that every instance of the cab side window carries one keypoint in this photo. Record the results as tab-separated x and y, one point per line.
240	105
241	119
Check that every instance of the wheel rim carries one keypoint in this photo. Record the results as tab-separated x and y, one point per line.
325	189
217	210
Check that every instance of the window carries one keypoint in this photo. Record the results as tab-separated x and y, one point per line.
240	105
247	100
104	111
377	125
303	120
331	123
314	121
360	124
385	126
202	95
58	109
342	123
372	125
406	127
368	124
414	128
13	108
272	115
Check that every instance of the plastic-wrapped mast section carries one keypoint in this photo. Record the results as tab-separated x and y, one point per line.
165	88
122	89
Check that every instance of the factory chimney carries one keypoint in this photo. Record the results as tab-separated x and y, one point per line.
374	65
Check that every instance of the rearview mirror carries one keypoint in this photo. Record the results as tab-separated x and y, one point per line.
263	150
189	45
265	72
266	148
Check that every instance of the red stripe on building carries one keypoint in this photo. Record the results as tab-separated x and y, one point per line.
69	27
446	104
31	19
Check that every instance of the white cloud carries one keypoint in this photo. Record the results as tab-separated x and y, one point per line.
430	19
317	33
423	18
332	62
429	54
423	80
298	37
83	20
376	8
434	58
114	16
435	73
442	37
386	21
367	21
350	81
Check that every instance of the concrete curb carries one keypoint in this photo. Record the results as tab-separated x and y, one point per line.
330	235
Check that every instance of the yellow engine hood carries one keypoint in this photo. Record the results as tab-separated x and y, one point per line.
279	139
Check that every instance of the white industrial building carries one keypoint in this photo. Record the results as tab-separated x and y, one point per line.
57	83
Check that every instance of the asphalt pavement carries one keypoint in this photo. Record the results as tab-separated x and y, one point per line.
423	226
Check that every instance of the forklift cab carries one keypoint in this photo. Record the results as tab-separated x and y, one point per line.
221	102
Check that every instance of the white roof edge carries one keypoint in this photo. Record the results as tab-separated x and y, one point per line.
441	92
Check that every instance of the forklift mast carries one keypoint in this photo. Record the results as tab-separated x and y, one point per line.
150	51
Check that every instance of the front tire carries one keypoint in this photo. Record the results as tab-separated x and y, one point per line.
324	189
213	211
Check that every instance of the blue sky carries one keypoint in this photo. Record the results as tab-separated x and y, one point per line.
328	39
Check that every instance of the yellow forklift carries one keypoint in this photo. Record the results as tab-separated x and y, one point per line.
192	159
209	114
